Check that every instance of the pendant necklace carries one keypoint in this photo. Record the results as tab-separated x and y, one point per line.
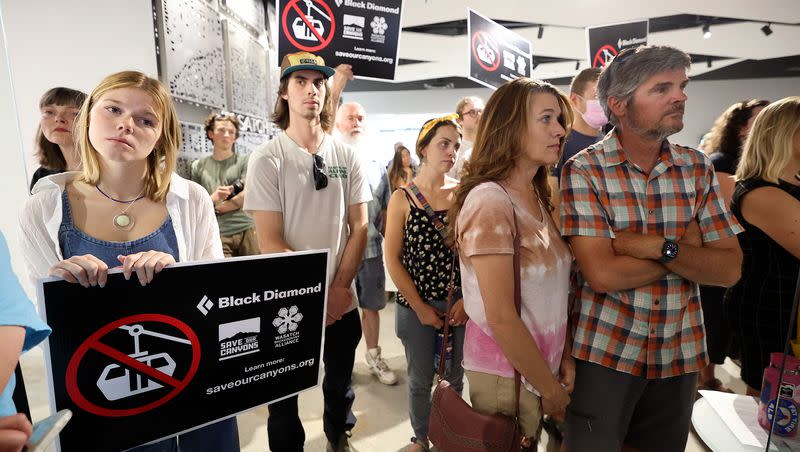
123	220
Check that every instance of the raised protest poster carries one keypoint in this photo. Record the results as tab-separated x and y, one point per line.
201	343
496	54
364	34
606	41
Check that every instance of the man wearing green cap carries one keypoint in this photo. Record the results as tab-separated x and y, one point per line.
308	191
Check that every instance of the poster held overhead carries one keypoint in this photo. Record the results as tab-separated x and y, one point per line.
496	54
363	34
606	41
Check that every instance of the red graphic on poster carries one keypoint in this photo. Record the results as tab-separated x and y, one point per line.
604	55
308	27
486	51
148	377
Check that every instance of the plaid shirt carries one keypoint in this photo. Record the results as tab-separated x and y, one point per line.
653	331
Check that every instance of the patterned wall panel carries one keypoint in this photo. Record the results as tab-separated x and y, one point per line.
248	73
195	63
249	11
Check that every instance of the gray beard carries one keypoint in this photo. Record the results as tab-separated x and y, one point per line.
655	133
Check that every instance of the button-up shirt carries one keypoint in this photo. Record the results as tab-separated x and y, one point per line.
653	331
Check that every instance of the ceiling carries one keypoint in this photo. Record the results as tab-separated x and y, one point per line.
433	42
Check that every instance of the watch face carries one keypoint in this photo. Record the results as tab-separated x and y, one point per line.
670	250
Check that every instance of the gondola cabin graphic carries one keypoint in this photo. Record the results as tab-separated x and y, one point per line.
117	382
302	28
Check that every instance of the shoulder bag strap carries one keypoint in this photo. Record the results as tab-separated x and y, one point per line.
437	223
450	289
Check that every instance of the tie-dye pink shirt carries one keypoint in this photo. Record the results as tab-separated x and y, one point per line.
486	226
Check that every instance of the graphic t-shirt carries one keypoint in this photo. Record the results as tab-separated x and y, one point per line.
281	180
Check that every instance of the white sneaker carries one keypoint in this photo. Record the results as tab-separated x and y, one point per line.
380	369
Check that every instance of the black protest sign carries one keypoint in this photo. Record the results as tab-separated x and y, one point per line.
606	41
496	54
201	343
364	34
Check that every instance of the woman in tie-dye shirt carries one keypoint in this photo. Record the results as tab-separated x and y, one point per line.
521	134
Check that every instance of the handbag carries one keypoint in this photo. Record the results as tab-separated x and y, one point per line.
454	426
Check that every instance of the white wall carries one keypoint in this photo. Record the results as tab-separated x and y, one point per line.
50	43
707	100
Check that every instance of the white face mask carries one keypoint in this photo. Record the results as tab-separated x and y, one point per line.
594	116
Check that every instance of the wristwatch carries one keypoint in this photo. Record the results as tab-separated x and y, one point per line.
669	251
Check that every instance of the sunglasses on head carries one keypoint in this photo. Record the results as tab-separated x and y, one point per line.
224	115
318	171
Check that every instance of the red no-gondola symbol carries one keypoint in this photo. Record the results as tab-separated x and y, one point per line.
308	31
486	51
147	374
604	55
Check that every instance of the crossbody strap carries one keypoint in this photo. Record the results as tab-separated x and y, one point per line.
437	223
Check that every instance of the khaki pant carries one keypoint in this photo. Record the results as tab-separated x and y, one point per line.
243	243
490	394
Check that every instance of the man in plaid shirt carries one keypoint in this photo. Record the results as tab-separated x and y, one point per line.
647	225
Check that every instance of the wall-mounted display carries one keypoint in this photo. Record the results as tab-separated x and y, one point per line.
193	52
248	63
251	12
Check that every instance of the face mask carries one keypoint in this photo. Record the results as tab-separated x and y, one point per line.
594	116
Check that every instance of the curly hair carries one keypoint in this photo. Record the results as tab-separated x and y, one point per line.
725	135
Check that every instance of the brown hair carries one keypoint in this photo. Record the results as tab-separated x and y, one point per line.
48	153
583	78
423	140
724	136
213	118
499	141
281	114
396	169
161	161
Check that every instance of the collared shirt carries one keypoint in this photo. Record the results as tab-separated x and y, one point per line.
654	331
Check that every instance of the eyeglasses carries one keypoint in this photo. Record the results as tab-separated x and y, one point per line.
475	112
318	170
224	115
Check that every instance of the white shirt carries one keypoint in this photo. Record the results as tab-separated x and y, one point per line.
463	155
188	205
281	180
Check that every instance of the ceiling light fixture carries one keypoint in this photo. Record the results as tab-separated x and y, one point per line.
706	31
541	31
708	61
577	64
767	29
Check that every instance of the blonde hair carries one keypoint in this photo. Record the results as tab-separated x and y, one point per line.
768	148
160	162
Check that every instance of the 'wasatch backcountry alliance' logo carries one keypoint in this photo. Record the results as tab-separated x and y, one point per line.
287	322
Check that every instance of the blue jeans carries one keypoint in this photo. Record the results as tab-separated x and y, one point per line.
419	341
222	436
284	429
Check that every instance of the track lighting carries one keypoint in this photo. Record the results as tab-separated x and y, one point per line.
706	31
767	29
577	64
541	31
